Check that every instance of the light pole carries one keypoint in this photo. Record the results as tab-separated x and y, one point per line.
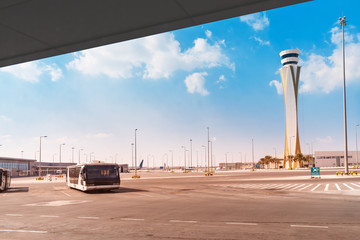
60	152
184	158
343	24
190	154
211	154
208	130
135	155
79	154
226	165
172	159
252	144
40	156
357	159
275	152
204	154
72	153
132	154
197	160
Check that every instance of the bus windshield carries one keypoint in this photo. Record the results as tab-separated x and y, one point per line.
102	171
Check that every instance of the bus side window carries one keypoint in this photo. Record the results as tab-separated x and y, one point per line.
83	175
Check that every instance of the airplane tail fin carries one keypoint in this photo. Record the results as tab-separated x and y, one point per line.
141	164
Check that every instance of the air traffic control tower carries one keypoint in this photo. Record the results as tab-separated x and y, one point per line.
290	76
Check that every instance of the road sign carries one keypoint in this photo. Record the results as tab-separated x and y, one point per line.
315	171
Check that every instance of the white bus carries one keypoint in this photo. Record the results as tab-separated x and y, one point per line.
93	176
5	179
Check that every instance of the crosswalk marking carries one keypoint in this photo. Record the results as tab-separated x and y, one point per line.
298	186
293	185
305	187
316	187
348	186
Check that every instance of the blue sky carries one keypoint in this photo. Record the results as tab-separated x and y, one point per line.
223	75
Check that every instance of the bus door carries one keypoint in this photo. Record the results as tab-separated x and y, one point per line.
83	176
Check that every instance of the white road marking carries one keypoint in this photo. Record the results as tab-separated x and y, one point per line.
181	221
241	223
315	187
14	215
268	186
66	194
278	186
297	186
284	186
308	226
22	231
88	217
348	186
131	219
55	203
49	216
326	187
337	186
292	185
305	187
355	184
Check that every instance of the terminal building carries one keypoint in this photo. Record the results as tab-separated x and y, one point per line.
336	158
21	167
18	166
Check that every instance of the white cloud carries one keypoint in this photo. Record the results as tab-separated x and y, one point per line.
6	138
324	73
221	79
152	57
5	118
277	85
261	42
100	135
66	140
258	21
32	71
195	83
208	33
327	139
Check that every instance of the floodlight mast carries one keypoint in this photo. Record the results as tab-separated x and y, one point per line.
343	24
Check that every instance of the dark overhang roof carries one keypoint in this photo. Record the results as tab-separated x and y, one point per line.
35	29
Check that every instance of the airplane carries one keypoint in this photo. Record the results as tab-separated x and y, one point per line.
140	166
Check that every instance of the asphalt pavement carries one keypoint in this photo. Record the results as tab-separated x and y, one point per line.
263	204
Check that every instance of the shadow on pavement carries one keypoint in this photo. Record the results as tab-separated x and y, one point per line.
120	190
17	189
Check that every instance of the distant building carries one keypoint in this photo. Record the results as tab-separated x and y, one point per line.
335	158
290	78
18	166
124	168
50	168
235	166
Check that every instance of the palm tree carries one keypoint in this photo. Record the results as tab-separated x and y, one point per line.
291	158
261	162
267	160
299	159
